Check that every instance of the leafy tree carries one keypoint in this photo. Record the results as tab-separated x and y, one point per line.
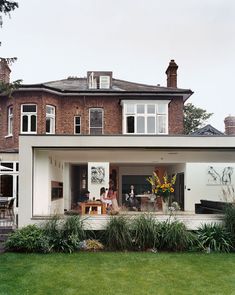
194	118
6	7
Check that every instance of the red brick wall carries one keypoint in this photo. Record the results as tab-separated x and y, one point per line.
176	123
67	108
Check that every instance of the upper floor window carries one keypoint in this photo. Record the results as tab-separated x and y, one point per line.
28	118
96	121
104	82
145	117
50	119
77	125
10	120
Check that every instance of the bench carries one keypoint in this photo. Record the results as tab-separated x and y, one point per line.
210	207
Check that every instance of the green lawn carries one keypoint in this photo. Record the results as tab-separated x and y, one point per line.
117	273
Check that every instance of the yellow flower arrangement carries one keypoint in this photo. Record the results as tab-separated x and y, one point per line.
164	188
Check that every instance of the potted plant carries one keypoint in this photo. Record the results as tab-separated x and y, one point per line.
162	188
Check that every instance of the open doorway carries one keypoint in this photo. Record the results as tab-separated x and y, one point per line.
78	178
179	190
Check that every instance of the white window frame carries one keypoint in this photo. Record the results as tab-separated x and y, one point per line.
51	117
75	124
29	114
10	121
90	119
104	82
145	115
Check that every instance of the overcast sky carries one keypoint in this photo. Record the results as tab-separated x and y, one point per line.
135	39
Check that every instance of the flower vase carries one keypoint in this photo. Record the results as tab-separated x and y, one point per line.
165	205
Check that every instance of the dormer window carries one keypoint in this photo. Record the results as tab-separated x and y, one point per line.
99	80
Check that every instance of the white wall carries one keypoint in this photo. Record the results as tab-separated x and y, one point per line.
46	169
55	174
94	188
41	205
198	187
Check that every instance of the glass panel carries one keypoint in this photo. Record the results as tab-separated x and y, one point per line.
95	131
17	166
48	125
140	125
130	124
77	120
6	166
10	110
130	109
50	110
162	124
25	124
10	125
29	108
150	124
77	129
140	108
162	109
33	123
151	109
96	118
6	185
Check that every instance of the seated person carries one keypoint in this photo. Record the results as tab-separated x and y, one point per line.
112	195
131	200
104	197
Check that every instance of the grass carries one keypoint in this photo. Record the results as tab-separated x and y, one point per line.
117	273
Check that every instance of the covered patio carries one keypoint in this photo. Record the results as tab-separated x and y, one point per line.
55	168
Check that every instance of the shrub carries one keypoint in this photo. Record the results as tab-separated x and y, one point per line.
145	232
229	221
214	237
117	235
28	239
64	235
174	236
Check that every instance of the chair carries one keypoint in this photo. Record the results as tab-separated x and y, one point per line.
10	209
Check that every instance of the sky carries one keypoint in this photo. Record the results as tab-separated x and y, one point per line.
135	39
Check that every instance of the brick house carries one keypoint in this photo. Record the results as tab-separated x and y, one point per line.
59	131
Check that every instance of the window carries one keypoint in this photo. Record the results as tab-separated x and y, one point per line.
96	121
104	82
28	118
50	119
145	117
77	125
10	121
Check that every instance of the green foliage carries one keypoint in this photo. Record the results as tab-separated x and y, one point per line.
8	88
174	236
194	118
145	231
28	239
64	235
229	220
117	234
214	237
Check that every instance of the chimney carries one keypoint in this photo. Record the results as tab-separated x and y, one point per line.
4	71
171	73
229	125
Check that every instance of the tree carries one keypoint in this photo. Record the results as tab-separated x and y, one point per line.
194	118
6	7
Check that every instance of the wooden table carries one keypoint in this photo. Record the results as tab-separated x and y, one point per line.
94	208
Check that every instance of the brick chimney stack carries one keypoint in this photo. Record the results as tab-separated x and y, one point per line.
4	71
229	125
171	73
